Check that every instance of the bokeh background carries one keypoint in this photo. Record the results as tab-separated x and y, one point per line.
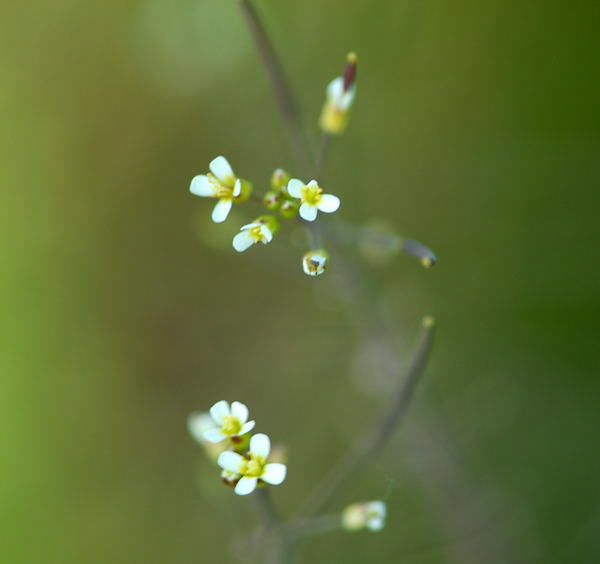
475	130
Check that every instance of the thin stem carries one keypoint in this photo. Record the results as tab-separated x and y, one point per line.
368	445
266	508
283	92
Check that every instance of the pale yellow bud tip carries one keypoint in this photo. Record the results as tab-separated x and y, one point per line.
428	322
352	58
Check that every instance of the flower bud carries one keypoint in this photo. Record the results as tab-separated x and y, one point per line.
272	200
340	96
279	179
289	208
315	263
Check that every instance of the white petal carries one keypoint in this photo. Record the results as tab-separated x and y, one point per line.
202	186
347	98
274	473
242	241
231	461
240	411
313	183
260	445
221	210
377	507
375	524
294	188
246	485
222	170
266	233
219	411
329	203
237	188
308	212
335	89
214	435
249	226
247	427
198	423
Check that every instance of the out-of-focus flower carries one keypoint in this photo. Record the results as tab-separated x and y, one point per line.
369	515
254	466
315	263
259	231
223	184
199	422
340	95
312	198
228	422
279	179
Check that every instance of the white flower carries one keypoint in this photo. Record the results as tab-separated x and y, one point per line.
254	466
369	515
251	234
227	422
229	477
315	263
312	198
220	183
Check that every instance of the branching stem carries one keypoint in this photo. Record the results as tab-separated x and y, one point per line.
368	445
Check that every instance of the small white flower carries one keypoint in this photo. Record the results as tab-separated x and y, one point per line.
220	183
315	263
370	515
227	421
251	234
254	466
312	198
229	477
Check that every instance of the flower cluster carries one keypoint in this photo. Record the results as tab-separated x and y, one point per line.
291	197
243	459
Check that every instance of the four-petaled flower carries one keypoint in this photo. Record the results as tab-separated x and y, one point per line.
220	183
250	234
228	422
312	198
253	467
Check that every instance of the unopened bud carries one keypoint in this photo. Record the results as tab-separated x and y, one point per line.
340	95
279	179
289	208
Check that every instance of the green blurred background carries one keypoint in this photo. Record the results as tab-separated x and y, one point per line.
476	130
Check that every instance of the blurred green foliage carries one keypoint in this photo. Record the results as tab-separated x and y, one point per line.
475	130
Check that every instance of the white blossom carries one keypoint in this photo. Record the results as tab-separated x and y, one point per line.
312	198
251	234
254	466
220	183
227	421
315	263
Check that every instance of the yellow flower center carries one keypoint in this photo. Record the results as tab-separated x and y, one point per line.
219	190
253	468
256	233
311	195
231	425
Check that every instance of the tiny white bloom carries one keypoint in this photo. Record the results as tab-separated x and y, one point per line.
312	198
229	477
220	183
370	515
254	466
227	421
315	263
251	234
